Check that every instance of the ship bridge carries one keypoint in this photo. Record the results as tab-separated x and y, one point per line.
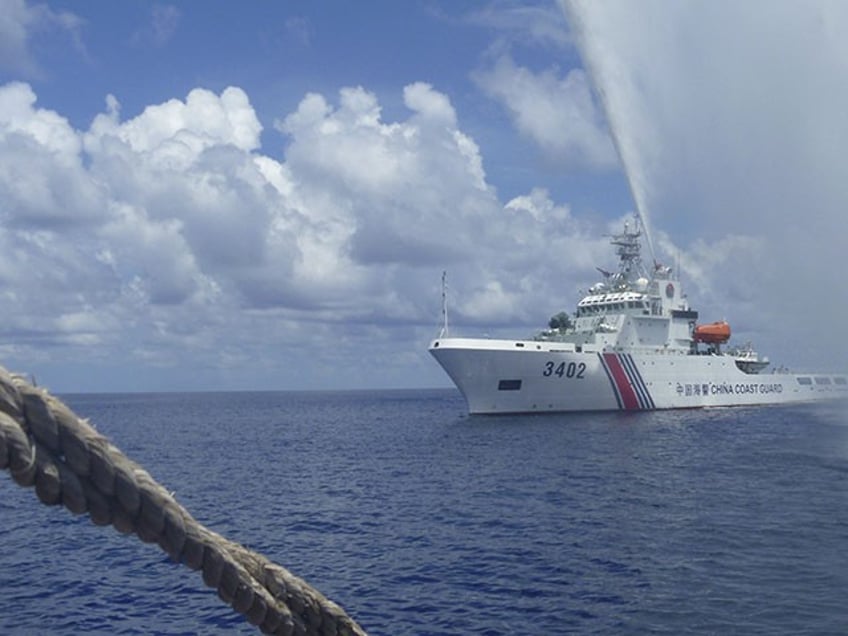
620	302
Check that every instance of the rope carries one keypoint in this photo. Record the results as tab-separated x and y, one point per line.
44	444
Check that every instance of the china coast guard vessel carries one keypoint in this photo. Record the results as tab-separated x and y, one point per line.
634	343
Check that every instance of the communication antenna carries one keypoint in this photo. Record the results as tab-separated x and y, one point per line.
444	332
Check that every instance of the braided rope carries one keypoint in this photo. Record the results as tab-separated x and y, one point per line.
43	443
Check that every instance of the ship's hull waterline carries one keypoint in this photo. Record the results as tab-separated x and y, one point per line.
528	376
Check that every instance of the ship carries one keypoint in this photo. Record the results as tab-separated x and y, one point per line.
633	343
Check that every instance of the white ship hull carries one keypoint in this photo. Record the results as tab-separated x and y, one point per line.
529	376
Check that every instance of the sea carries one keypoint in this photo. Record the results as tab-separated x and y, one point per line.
419	519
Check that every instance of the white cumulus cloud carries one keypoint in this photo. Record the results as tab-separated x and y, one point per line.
173	233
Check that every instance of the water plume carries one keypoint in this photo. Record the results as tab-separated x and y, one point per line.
613	85
730	123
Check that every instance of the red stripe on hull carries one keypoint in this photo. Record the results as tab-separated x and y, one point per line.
628	395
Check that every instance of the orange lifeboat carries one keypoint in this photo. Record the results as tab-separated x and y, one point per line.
713	333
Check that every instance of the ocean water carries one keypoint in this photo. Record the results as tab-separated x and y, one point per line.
421	520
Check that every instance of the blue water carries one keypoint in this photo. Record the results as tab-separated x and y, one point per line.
421	520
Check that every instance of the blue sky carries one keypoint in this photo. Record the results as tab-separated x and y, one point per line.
217	195
147	53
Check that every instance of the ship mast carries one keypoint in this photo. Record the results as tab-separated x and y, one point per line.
642	220
637	200
628	249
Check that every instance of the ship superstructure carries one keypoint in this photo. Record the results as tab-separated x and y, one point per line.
632	309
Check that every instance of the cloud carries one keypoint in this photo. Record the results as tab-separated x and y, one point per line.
185	129
388	193
520	23
14	33
173	232
20	23
163	25
539	205
429	104
300	30
557	113
731	123
43	182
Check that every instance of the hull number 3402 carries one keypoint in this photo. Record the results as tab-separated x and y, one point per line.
570	370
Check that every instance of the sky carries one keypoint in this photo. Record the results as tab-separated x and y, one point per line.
210	195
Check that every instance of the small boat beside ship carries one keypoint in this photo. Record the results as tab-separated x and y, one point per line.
634	343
